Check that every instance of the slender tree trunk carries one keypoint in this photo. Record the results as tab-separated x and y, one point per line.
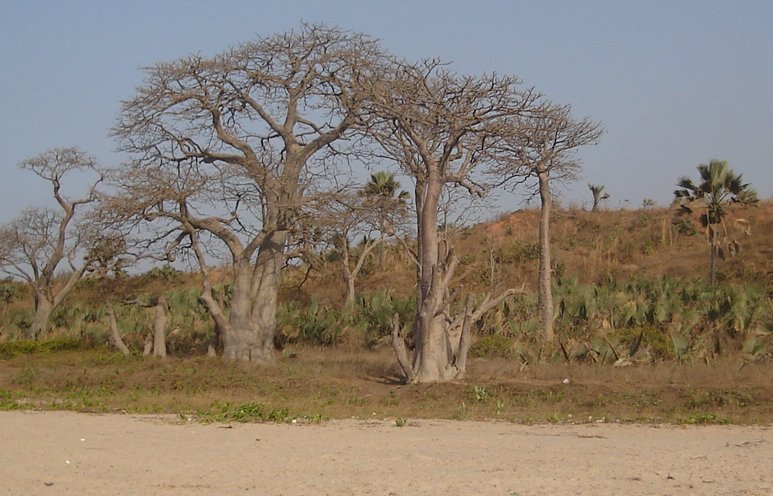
441	340
42	320
115	335
545	303
351	291
437	337
350	274
46	304
215	309
712	256
351	294
429	334
160	318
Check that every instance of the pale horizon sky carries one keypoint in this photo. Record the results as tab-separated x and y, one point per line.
675	83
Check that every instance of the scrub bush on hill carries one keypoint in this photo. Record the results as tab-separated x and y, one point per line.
650	320
325	325
643	319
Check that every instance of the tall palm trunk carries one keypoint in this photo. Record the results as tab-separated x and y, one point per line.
712	256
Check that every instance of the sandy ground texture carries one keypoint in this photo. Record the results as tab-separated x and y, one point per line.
61	453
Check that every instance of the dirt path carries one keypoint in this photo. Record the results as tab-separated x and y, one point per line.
60	453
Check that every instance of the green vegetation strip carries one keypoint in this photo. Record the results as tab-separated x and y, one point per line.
323	385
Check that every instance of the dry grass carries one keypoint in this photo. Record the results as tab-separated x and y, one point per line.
330	383
626	243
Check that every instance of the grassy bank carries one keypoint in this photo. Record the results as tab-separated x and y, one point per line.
313	384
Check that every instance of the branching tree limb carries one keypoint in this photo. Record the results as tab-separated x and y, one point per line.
224	147
38	243
439	128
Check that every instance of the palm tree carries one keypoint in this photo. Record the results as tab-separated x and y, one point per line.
597	190
386	194
719	188
384	184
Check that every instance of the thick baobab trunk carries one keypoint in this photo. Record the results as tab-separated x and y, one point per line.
545	298
160	318
238	333
248	331
41	322
436	356
271	258
241	334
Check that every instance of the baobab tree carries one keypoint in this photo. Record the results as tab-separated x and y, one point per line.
719	188
222	148
542	145
42	241
436	126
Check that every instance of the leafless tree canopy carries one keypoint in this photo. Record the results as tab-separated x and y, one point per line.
440	128
543	140
353	224
230	156
541	145
36	244
433	122
224	146
241	127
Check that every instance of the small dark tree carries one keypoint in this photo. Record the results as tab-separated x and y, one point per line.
599	195
384	193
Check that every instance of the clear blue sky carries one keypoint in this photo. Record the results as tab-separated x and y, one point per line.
675	83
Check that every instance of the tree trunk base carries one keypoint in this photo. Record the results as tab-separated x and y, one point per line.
261	355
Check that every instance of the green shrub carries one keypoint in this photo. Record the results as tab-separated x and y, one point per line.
19	319
247	412
317	324
375	311
516	252
493	346
684	226
9	292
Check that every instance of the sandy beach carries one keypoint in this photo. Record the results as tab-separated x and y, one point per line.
63	453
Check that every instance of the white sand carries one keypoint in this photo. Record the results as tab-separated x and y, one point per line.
61	453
